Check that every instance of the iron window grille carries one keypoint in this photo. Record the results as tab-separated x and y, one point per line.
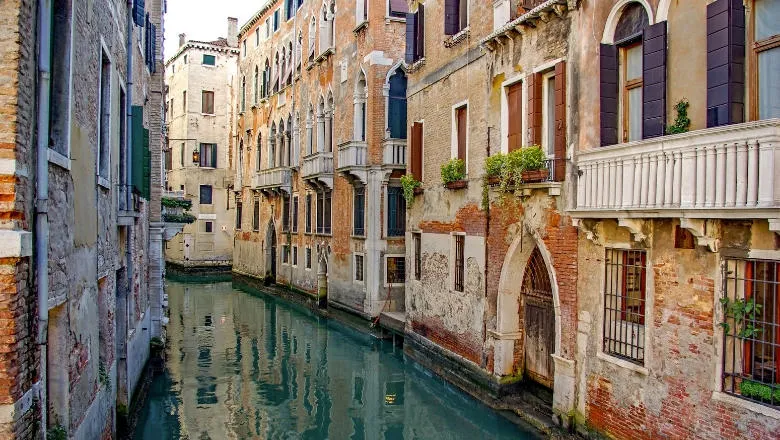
256	216
625	283
417	241
308	258
751	329
396	212
460	268
238	215
285	214
324	212
308	213
358	268
295	255
295	214
396	270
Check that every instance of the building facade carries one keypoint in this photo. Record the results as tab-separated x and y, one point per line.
321	146
678	232
199	80
82	105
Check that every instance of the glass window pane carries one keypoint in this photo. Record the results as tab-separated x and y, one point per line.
550	116
635	114
769	83
767	22
634	62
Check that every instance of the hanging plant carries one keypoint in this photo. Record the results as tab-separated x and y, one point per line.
410	186
682	123
453	170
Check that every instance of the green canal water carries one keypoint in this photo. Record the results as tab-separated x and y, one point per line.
245	365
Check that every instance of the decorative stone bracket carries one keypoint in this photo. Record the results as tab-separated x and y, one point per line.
634	226
774	225
591	229
705	236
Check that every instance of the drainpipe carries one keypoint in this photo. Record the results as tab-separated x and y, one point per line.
487	237
42	199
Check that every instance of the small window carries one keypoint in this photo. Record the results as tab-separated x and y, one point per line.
358	267
182	155
417	244
208	155
208	227
767	52
456	16
359	211
295	255
209	60
295	214
396	212
460	266
396	270
243	44
415	35
624	304
308	258
256	216
205	194
185	59
238	215
257	37
207	98
286	254
104	164
285	214
461	134
277	15
308	213
184	101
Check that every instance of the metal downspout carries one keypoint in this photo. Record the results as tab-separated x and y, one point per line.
129	197
42	198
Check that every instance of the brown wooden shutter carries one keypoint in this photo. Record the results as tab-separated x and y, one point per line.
559	171
411	26
451	17
609	94
514	97
535	109
462	124
420	32
725	62
654	80
417	146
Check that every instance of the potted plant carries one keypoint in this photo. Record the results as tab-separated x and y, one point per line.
533	164
494	167
453	174
412	187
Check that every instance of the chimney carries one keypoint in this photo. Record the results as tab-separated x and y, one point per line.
232	32
182	39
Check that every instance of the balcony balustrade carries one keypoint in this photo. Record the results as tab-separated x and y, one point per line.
724	172
273	180
394	153
353	161
317	169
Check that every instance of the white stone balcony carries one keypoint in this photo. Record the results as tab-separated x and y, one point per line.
724	172
317	169
273	180
394	153
353	160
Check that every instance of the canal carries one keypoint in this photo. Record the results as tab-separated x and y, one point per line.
245	365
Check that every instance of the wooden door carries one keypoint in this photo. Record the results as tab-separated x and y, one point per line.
539	321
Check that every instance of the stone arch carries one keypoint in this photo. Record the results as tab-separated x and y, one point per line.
509	294
614	17
663	10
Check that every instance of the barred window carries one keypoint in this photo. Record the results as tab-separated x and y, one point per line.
238	215
358	213
358	267
417	242
308	258
285	214
396	212
295	255
624	304
256	216
751	328
295	214
308	213
396	270
460	267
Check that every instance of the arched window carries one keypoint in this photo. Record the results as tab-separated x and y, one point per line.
272	147
243	93
299	51
312	37
284	154
259	150
257	90
290	62
360	124
266	78
396	105
296	143
310	130
326	26
283	70
321	125
288	141
329	123
275	80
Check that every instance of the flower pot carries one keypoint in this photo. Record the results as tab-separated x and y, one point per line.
458	184
493	181
535	175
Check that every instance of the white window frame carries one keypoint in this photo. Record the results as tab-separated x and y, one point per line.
454	131
549	149
384	274
53	156
104	180
354	267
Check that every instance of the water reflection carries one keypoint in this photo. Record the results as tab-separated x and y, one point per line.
244	366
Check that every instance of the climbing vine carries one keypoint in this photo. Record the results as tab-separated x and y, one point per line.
682	123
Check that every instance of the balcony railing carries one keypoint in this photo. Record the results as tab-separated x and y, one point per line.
353	160
279	178
729	168
318	168
394	153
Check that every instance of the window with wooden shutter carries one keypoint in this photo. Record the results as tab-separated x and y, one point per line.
416	153
411	39
461	122
514	99
608	94
766	59
308	213
725	62
138	12
654	79
559	168
452	21
419	32
396	119
207	102
534	108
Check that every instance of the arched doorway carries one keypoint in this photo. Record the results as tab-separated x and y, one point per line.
270	250
539	320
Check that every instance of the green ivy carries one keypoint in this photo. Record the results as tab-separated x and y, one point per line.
57	433
682	123
744	312
453	171
156	343
169	202
179	218
409	184
102	373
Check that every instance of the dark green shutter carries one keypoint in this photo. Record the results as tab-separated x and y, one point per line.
137	153
147	168
214	155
